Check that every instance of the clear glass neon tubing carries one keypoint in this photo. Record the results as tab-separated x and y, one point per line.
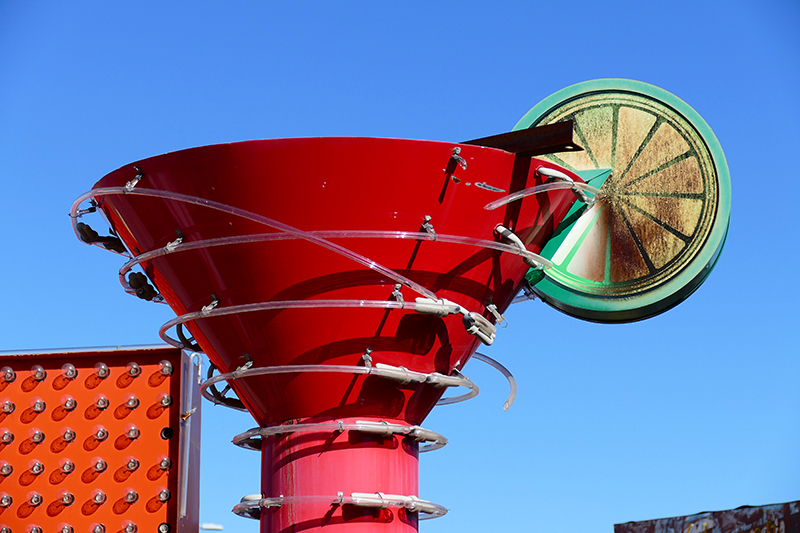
319	237
194	200
387	372
433	510
425	435
289	304
539	189
329	234
512	383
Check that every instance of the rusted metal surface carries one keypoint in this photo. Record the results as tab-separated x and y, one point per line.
549	139
776	518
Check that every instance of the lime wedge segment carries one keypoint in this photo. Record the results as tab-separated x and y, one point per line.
663	211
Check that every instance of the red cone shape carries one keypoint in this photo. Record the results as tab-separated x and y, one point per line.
250	191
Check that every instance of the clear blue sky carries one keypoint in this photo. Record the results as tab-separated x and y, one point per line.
694	410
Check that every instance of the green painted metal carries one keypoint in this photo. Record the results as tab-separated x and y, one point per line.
623	210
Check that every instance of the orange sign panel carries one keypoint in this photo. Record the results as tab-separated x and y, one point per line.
98	440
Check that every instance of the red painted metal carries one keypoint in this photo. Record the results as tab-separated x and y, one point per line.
321	463
344	184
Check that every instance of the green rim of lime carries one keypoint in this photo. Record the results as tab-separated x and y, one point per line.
608	300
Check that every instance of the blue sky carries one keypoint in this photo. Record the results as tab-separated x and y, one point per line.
691	411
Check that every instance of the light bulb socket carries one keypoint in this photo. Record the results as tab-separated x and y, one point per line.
68	435
69	371
36	435
66	466
7	406
133	369
165	367
35	499
131	401
99	497
68	403
6	437
101	370
132	464
66	497
36	467
101	402
99	464
165	463
38	373
8	374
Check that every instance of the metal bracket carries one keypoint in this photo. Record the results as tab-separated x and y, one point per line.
501	320
367	358
512	238
208	308
460	160
396	294
132	183
558	175
428	227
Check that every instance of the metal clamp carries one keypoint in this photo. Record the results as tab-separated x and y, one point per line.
460	160
395	373
132	183
250	440
510	236
556	174
250	508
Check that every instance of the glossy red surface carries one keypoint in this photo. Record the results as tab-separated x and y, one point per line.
333	184
322	464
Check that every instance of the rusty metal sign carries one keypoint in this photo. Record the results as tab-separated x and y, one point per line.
776	518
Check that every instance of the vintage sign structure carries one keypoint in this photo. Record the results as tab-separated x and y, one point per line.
99	440
775	518
339	286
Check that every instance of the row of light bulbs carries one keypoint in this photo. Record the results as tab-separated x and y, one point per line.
98	464
68	371
128	526
69	404
66	498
